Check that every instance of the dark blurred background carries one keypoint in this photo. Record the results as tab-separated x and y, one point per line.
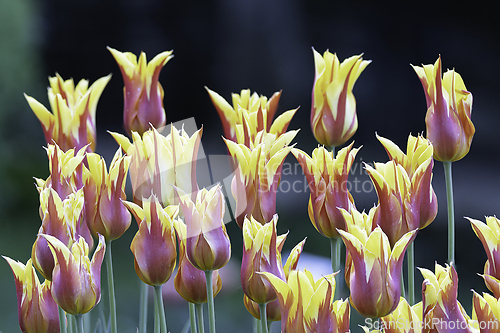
263	45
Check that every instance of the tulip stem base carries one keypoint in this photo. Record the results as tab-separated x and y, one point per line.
263	317
143	307
210	300
160	308
199	316
79	323
111	287
411	273
335	254
192	317
451	212
62	320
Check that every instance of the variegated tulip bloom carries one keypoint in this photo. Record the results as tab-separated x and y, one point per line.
307	305
105	192
440	304
154	244
37	309
76	280
328	186
449	107
404	319
373	267
489	234
71	124
142	93
406	199
190	282
333	109
207	243
485	313
256	180
250	114
159	161
59	219
260	254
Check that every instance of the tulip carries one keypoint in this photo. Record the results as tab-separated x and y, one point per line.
59	219
485	313
160	161
76	280
328	184
439	297
333	107
373	267
142	93
404	319
489	234
257	178
71	124
249	115
36	307
154	244
449	107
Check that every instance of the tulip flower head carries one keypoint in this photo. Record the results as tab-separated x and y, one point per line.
485	313
328	185
373	267
333	109
154	244
71	124
404	319
449	107
207	243
36	308
76	280
143	94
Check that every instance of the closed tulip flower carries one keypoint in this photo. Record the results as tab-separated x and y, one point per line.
404	319
71	124
143	94
485	313
333	109
36	308
449	107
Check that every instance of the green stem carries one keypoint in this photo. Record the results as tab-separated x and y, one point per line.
411	273
269	326
403	292
143	307
192	317
79	323
157	318
257	328
71	323
161	310
62	320
199	316
210	300
111	287
263	317
335	251
451	212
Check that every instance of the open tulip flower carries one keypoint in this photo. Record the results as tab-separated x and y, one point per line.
105	191
440	304
143	94
190	282
159	161
71	124
307	305
373	267
485	313
36	308
449	107
257	177
76	280
489	234
333	109
327	179
404	319
59	219
154	244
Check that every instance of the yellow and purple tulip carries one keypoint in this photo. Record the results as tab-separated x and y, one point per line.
37	309
333	109
404	319
373	267
190	282
71	124
159	161
76	280
59	219
207	244
307	305
489	234
143	94
485	313
105	192
256	180
439	298
449	107
328	185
